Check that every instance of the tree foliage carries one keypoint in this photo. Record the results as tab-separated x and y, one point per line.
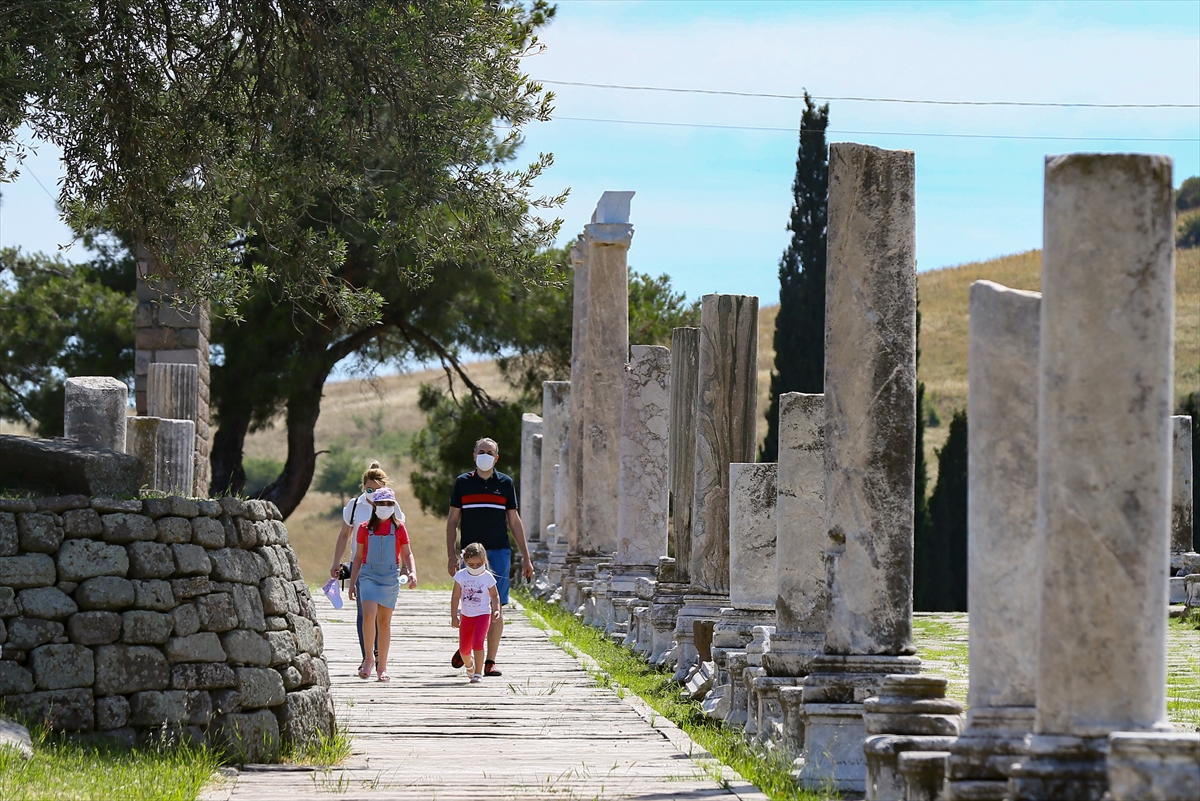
58	320
940	559
234	141
800	326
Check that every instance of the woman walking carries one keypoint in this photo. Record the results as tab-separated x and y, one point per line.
383	555
358	511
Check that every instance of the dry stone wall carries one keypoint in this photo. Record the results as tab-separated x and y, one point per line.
137	619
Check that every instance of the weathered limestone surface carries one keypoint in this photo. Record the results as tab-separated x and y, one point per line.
94	413
556	421
1182	476
176	459
606	349
870	399
531	475
645	425
726	412
1153	767
1002	545
173	391
1104	465
567	524
870	439
685	372
752	489
65	466
800	590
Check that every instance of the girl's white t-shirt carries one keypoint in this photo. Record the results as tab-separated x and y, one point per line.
357	512
476	600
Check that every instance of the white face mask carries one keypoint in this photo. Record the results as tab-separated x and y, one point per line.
477	571
485	461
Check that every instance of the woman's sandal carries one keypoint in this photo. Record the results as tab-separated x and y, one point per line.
364	670
383	676
489	668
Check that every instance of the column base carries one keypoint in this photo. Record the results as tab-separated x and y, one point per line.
832	716
663	615
1149	766
885	781
1062	767
769	718
695	607
792	652
833	758
982	757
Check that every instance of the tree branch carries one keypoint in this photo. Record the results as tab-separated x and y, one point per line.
477	392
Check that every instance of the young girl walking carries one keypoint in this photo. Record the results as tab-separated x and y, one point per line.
473	604
383	554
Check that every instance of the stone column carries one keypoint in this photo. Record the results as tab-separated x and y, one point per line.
606	350
1104	465
557	558
174	472
172	330
751	580
726	412
141	440
556	421
531	476
173	391
800	603
1002	547
685	372
567	524
870	448
643	507
673	572
94	411
1182	519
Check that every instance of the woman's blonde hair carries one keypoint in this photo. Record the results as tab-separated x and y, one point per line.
375	473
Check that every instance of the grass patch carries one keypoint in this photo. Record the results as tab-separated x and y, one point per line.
1183	674
62	769
625	671
324	751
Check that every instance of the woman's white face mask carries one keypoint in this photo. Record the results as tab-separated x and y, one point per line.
485	461
477	571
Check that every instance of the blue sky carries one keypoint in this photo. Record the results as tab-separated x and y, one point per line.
712	203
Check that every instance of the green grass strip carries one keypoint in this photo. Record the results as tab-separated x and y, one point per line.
69	771
628	672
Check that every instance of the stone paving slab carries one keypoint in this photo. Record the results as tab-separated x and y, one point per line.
544	730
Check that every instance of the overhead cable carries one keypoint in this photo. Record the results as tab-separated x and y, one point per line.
887	133
854	99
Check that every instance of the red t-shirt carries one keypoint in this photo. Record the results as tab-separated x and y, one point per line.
363	538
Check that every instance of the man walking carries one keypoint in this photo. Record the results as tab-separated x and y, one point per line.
484	502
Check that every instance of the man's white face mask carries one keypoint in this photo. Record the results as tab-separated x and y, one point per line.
485	461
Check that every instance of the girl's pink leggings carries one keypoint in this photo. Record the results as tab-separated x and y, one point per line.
472	632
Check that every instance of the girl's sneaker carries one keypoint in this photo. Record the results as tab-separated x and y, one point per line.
476	678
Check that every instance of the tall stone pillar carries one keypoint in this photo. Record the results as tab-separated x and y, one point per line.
726	412
1104	466
606	350
172	330
567	524
531	476
800	603
94	411
870	450
556	560
643	506
1182	512
556	422
1002	546
685	372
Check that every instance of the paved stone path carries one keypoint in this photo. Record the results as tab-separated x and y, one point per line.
544	730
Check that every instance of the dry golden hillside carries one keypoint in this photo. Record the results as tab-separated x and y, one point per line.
944	296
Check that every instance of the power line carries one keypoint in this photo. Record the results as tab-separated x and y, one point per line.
886	133
870	99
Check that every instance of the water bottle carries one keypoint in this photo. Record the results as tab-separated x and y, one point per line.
403	579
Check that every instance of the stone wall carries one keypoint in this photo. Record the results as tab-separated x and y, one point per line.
137	619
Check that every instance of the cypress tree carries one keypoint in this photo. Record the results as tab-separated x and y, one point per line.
800	326
948	522
922	530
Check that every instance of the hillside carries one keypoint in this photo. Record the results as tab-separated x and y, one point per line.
390	402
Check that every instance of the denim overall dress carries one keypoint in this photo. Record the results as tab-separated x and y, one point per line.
379	577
